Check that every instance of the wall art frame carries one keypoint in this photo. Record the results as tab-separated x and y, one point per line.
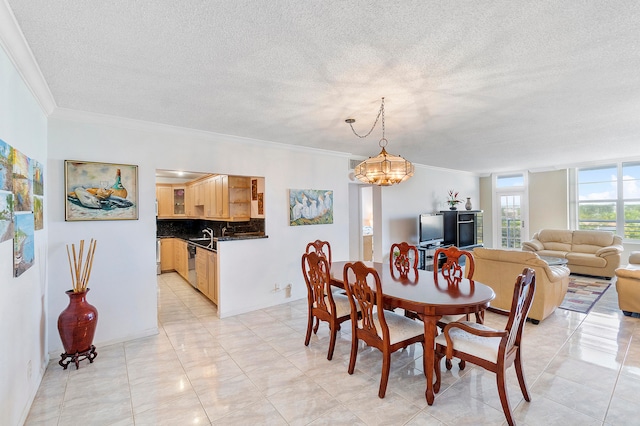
310	207
100	191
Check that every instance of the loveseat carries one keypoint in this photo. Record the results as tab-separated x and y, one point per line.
588	252
499	269
628	285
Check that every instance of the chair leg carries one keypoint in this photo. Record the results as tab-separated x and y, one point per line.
386	367
448	364
521	379
504	397
315	329
354	352
307	339
332	342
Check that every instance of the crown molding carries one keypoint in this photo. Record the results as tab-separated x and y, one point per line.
17	49
87	117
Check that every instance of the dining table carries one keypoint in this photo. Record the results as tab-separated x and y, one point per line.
430	298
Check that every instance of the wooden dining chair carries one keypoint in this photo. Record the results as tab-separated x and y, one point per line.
404	258
384	330
491	349
451	269
323	304
321	247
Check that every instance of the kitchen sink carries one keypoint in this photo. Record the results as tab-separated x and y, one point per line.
201	241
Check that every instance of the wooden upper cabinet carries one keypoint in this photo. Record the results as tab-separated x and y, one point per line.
239	198
164	197
220	197
171	200
189	200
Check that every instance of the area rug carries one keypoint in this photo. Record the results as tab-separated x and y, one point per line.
583	293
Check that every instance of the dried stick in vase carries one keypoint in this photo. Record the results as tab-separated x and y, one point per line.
73	283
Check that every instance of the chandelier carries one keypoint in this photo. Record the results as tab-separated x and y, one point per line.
384	169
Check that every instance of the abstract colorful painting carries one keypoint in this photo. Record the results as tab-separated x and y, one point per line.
6	215
22	174
38	215
38	178
6	166
23	243
310	207
100	191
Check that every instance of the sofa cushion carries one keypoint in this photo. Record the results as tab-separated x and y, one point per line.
590	241
556	239
586	259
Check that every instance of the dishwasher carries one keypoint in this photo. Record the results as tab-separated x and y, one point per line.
193	279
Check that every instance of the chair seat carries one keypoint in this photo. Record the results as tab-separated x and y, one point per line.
343	307
400	327
481	347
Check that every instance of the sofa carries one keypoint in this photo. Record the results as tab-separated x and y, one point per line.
587	252
628	285
499	269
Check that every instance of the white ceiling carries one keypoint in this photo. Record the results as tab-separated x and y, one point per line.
484	86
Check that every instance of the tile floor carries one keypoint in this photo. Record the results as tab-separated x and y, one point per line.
254	369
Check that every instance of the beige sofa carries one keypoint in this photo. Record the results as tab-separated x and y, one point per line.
628	285
499	269
588	252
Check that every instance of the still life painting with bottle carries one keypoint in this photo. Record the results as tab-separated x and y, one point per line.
100	191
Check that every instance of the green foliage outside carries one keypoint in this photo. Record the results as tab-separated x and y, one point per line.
602	216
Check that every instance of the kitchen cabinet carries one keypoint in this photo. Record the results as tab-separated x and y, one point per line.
171	200
181	258
207	272
167	262
164	198
189	206
228	198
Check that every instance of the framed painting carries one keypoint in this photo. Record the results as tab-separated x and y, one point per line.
310	207
100	191
23	243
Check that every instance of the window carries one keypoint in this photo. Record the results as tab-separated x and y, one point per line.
609	199
510	181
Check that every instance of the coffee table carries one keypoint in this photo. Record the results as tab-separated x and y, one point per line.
557	261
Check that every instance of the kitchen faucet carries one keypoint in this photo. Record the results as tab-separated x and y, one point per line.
209	233
224	229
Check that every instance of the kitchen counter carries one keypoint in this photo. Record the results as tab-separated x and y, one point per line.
204	243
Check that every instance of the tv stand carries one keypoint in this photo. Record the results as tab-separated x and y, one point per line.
426	253
463	228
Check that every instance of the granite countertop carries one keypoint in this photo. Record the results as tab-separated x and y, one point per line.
242	236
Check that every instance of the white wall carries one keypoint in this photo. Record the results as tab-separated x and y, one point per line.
425	192
23	356
123	280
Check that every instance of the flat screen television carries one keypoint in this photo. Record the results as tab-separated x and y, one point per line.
431	229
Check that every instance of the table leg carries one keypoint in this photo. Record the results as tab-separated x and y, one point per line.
430	332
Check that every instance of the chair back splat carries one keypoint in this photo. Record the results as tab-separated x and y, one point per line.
321	247
451	270
403	258
491	349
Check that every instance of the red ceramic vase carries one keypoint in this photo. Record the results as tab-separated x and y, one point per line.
77	323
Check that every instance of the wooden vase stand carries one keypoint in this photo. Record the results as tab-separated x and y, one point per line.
89	354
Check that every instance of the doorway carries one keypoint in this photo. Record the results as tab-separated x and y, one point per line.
511	217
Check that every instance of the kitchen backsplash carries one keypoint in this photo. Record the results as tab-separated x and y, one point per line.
186	228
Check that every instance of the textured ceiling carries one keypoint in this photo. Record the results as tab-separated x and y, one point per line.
484	86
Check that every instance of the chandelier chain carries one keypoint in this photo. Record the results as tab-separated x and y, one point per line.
380	113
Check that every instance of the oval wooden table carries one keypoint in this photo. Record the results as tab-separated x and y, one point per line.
420	293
